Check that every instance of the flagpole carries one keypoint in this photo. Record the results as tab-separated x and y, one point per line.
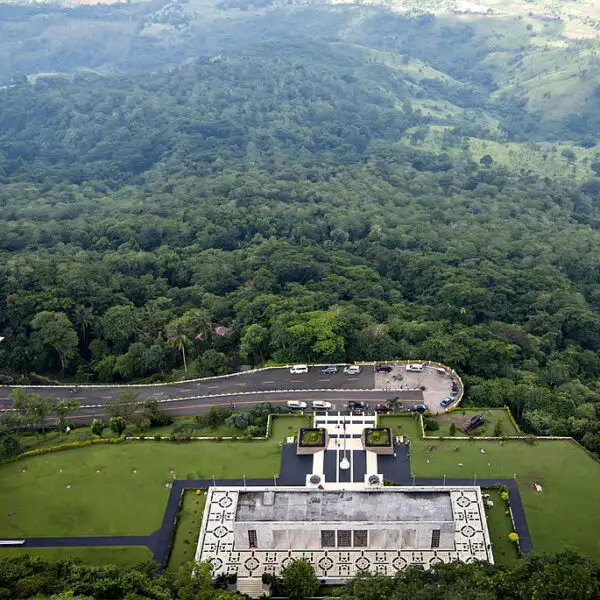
344	463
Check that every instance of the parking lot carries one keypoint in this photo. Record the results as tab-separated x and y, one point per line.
435	384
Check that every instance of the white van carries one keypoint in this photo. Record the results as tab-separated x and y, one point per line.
415	368
352	370
296	405
322	404
296	369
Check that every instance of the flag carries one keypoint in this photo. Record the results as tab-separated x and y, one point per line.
344	425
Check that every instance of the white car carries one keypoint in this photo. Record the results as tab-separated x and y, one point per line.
296	369
321	404
352	370
415	368
296	405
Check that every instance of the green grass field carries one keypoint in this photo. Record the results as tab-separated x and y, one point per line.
188	528
115	555
499	526
491	416
557	517
121	489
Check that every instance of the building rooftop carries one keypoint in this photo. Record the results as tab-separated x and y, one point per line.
380	506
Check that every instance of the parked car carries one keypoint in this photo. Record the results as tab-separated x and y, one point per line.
383	408
357	404
296	405
352	370
330	370
420	408
322	404
447	401
454	393
296	369
383	368
415	368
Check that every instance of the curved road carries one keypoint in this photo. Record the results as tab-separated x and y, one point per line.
275	385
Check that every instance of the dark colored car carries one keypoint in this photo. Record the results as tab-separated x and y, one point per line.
420	408
454	393
354	405
383	408
330	370
383	368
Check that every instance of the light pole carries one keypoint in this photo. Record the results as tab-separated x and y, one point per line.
444	479
214	483
413	477
275	479
475	479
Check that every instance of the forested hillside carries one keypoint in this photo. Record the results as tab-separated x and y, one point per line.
323	201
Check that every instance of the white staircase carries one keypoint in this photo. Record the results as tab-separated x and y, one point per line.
252	586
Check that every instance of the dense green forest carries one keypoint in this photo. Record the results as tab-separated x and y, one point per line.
323	201
540	577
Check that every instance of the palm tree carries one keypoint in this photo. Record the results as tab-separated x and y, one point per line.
200	322
84	318
177	338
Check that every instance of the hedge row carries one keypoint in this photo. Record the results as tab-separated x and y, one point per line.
61	447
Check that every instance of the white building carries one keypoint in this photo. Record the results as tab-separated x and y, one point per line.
250	531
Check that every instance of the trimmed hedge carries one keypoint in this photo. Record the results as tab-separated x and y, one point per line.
61	447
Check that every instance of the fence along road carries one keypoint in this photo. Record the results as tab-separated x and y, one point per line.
275	385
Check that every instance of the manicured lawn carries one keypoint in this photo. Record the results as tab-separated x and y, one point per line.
188	529
500	525
562	515
115	555
491	416
121	489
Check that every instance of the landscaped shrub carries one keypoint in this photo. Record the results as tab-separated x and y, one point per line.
513	537
267	578
452	428
504	496
97	427
430	424
253	431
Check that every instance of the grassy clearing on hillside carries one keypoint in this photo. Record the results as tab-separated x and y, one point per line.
557	517
110	555
545	159
121	489
188	528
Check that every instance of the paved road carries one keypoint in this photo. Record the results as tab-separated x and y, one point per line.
275	385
